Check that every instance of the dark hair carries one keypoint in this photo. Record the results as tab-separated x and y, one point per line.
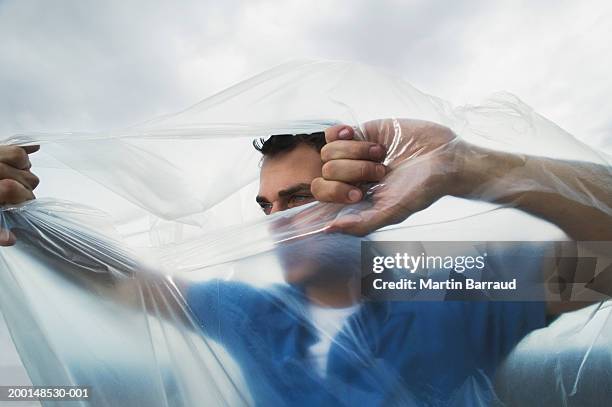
286	142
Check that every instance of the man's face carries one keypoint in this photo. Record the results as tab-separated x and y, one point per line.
284	183
285	178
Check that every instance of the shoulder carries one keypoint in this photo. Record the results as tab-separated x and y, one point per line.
223	292
219	296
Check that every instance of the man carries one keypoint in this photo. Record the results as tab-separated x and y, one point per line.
312	341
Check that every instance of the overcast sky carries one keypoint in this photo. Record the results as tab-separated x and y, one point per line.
87	65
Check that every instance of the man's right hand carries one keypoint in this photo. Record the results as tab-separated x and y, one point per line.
16	181
413	163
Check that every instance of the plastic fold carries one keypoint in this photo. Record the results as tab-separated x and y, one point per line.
146	270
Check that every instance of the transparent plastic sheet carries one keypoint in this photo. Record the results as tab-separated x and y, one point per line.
176	290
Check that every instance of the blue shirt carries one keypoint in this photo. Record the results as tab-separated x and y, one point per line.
388	353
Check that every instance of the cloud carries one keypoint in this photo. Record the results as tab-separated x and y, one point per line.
89	65
86	65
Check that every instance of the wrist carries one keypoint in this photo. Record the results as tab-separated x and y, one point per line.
481	170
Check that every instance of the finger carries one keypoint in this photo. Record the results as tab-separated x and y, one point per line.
15	157
353	171
26	178
358	224
380	215
335	191
363	223
12	192
352	150
339	132
31	149
7	238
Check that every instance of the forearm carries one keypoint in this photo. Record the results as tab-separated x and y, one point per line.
576	196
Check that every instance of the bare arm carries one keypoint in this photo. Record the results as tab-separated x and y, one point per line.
576	196
429	161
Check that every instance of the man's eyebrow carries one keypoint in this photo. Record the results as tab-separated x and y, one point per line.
294	189
285	192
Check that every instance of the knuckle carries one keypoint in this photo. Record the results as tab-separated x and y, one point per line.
330	133
327	152
8	186
316	186
17	154
319	189
35	181
9	191
30	179
328	169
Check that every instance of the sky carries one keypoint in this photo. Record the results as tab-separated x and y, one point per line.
87	65
90	65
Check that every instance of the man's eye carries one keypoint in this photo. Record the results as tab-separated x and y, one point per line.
297	200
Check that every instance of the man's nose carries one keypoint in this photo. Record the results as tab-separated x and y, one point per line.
281	225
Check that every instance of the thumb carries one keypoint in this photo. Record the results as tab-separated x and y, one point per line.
7	238
362	223
381	214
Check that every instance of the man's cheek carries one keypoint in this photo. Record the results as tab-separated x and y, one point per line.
331	254
302	221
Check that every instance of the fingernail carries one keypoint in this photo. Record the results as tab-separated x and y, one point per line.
380	170
376	152
354	195
344	134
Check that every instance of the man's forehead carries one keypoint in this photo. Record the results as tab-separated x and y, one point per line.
285	171
302	158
